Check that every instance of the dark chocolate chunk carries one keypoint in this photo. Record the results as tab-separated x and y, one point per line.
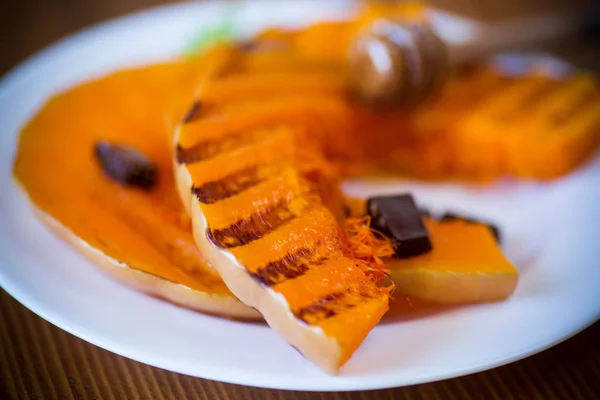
399	218
425	212
125	165
450	216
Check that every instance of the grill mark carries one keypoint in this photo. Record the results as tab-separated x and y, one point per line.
230	185
192	113
213	147
569	112
320	310
183	156
291	266
332	304
253	228
529	101
526	102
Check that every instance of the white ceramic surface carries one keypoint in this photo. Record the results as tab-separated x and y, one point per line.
552	232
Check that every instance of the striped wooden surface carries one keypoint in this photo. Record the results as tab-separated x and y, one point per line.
40	361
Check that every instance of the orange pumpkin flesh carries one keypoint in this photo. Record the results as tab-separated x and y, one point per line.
142	238
259	217
466	265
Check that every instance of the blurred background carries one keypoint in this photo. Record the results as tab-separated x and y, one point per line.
26	26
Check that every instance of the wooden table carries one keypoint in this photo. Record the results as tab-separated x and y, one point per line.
40	361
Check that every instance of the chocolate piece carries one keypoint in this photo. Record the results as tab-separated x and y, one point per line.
425	212
399	218
450	216
125	165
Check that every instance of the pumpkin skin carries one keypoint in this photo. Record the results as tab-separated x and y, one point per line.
140	238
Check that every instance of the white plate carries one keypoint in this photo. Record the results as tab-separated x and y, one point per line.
552	233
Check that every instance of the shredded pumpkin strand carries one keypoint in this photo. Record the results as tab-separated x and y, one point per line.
367	248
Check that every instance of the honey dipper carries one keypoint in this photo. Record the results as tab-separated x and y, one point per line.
404	61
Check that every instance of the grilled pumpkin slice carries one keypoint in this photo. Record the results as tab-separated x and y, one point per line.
466	265
140	238
257	201
525	123
485	125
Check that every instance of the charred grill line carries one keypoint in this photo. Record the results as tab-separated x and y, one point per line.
253	228
570	111
229	186
213	147
184	156
291	266
192	113
332	304
322	309
534	98
229	141
526	102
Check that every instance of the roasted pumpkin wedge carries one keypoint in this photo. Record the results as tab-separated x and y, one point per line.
259	215
466	265
140	237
